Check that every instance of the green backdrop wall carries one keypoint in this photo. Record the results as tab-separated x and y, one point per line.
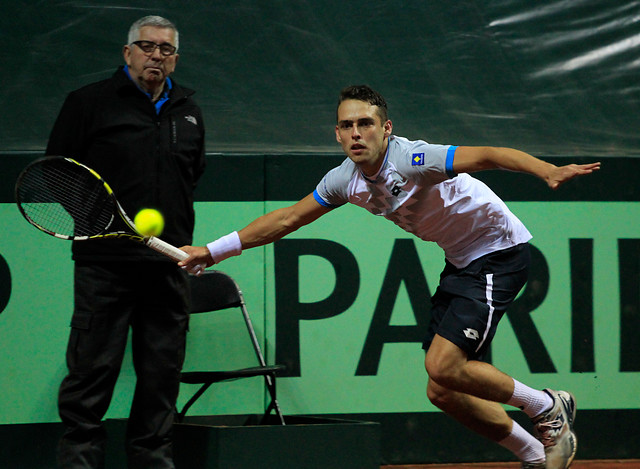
551	77
555	78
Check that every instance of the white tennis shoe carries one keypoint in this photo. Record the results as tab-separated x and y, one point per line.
554	429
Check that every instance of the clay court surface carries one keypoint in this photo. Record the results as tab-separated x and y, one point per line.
598	464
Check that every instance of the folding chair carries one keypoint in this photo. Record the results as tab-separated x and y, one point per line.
216	291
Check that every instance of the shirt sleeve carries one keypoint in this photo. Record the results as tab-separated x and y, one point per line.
332	190
430	161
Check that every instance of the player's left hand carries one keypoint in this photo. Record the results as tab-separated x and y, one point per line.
562	174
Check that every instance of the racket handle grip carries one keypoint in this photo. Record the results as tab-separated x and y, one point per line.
165	248
171	251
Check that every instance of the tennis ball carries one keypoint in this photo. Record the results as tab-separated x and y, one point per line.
149	222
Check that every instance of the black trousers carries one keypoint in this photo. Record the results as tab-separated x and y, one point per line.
152	300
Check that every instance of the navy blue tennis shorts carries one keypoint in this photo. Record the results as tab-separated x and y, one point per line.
469	302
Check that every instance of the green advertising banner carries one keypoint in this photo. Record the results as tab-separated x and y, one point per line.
343	302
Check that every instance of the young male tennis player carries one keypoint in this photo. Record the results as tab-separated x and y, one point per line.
426	190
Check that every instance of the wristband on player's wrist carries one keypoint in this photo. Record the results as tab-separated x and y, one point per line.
225	247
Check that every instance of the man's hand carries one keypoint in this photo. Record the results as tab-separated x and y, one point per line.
471	159
561	174
198	256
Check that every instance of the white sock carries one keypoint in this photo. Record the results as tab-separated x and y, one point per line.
523	445
531	401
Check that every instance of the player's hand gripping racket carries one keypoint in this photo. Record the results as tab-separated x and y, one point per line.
69	200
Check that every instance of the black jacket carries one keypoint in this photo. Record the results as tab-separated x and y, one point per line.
150	160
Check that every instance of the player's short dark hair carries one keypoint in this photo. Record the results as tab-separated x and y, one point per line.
368	95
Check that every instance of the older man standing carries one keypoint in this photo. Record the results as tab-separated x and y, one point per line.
144	134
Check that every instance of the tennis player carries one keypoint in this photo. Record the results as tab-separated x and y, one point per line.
426	190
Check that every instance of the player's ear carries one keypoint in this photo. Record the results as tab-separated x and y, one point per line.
388	127
338	135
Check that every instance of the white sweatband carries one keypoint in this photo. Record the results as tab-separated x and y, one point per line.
225	247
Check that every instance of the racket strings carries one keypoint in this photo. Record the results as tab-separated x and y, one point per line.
65	198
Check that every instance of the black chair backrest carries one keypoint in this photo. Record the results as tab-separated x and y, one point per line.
212	291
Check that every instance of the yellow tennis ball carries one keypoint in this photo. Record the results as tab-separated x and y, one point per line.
149	222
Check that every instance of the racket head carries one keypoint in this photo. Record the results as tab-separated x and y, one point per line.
64	198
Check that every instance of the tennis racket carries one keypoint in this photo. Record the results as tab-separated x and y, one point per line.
69	200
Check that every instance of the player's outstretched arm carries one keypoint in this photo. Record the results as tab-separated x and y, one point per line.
471	159
279	223
263	230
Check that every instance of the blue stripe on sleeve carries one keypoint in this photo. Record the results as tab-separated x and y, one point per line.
321	201
449	162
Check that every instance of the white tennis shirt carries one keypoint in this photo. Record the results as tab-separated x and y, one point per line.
417	189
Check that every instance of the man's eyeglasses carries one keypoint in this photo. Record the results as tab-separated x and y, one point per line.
149	47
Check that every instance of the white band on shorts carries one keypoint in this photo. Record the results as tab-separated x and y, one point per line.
225	247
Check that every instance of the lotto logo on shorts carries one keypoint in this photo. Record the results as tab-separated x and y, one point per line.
417	159
471	333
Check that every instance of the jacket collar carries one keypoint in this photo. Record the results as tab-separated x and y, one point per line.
123	82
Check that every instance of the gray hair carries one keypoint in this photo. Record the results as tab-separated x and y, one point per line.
156	21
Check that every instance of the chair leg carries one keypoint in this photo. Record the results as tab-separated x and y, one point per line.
273	405
190	402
